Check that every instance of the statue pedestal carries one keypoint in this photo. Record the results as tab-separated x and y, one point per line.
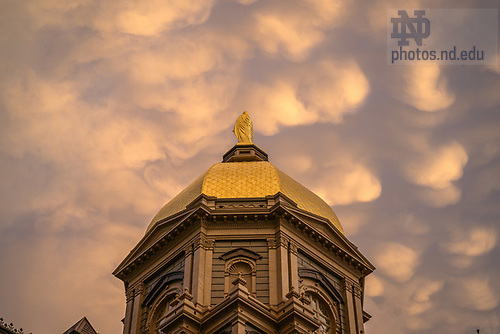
244	152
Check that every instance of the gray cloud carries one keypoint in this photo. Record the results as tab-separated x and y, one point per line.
108	109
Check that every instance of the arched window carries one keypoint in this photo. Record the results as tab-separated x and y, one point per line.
157	302
325	300
162	310
240	267
322	313
240	262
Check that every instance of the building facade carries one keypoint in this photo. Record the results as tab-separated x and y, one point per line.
244	249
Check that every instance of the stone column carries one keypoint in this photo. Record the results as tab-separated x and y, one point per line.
198	273
208	245
202	271
293	270
358	304
283	273
136	309
350	306
188	270
273	271
129	294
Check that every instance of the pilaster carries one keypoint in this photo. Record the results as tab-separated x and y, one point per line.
350	306
202	271
208	245
293	270
283	265
358	304
273	271
138	297
188	270
129	295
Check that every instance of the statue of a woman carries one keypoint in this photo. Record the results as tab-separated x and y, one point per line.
243	128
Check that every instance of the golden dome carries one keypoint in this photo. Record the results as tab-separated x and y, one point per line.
246	179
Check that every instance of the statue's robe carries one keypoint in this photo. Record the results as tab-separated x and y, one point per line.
243	128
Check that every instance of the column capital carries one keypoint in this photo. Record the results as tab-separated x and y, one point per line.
204	242
207	243
129	294
272	243
357	290
279	240
348	285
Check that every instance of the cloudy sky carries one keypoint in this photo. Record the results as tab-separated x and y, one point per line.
109	108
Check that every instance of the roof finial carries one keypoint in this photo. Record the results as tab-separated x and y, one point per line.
243	128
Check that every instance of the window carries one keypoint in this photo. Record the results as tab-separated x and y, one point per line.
240	262
324	299
321	313
240	267
163	310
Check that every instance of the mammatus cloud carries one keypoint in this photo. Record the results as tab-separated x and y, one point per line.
154	17
477	241
397	261
129	17
476	293
426	89
421	299
293	32
303	95
374	286
437	169
109	108
347	183
341	180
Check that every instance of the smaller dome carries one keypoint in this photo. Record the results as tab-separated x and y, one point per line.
247	179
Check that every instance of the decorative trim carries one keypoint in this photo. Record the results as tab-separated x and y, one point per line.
240	252
129	294
358	292
272	243
323	281
333	306
161	284
353	287
10	327
349	256
208	243
172	292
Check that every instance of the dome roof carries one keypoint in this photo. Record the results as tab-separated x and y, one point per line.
247	179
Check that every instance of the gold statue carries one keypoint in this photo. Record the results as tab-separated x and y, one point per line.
243	128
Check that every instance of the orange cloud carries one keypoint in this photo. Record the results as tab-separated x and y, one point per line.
348	183
477	241
319	92
397	261
437	169
477	294
292	33
426	89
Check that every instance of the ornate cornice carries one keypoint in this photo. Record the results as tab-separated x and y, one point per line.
10	327
329	245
